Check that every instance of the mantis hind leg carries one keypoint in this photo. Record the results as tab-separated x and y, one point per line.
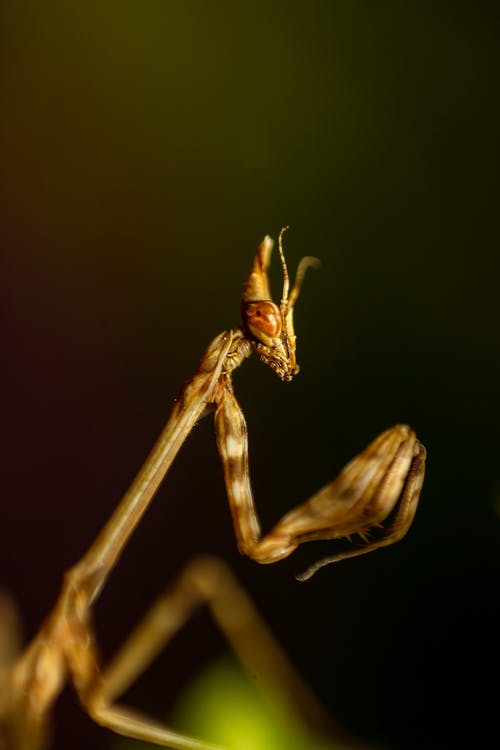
204	581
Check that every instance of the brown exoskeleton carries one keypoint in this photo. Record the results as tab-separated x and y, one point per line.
381	482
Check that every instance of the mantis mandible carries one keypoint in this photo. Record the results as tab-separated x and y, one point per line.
382	483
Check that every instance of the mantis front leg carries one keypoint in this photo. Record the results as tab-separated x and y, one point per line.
386	477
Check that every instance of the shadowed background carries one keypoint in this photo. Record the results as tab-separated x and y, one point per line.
145	150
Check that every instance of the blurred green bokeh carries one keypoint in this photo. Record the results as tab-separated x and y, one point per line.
145	150
223	707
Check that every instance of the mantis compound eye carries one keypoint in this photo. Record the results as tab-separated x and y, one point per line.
263	319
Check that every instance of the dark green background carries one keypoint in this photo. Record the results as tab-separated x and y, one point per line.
146	148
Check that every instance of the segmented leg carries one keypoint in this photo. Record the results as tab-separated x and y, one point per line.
209	581
387	476
205	581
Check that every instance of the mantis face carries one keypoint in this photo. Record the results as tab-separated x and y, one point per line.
269	326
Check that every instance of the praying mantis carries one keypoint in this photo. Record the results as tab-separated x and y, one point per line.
373	499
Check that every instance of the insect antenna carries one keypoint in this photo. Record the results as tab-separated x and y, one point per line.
286	277
288	298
